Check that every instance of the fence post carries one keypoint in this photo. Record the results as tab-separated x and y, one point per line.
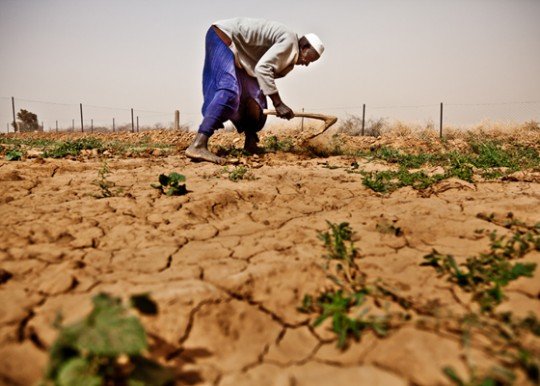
363	118
441	121
57	126
73	125
113	125
82	122
14	116
176	119
302	127
132	123
137	123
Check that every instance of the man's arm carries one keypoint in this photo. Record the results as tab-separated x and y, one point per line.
282	110
273	62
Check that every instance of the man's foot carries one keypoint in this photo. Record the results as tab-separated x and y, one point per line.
251	144
198	150
201	154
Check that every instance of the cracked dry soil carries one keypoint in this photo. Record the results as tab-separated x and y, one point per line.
229	263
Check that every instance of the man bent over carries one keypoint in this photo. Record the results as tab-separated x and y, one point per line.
243	58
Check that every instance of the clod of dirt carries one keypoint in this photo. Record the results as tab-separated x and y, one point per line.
5	276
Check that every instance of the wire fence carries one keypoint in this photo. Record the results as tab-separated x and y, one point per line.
56	116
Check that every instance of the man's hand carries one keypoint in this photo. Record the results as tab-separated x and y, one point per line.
284	111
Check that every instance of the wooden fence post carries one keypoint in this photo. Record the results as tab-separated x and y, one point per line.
363	118
177	119
137	123
113	125
441	122
82	121
14	116
132	122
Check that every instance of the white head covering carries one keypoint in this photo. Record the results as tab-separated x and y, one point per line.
315	42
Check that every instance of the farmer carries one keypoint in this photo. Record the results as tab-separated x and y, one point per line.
243	58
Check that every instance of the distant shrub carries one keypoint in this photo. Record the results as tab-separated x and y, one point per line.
352	125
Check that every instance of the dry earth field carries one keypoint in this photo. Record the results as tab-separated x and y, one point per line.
230	263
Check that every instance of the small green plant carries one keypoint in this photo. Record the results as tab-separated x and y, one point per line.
338	242
73	148
171	184
496	377
273	144
226	151
14	155
351	293
485	275
105	348
239	173
337	306
104	184
388	181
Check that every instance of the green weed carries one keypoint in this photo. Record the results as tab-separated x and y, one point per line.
496	377
388	181
104	184
73	148
337	306
171	184
239	173
486	275
231	151
105	348
338	242
273	144
14	155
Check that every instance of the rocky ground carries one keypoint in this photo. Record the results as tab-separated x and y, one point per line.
230	263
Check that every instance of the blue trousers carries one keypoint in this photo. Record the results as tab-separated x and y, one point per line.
228	91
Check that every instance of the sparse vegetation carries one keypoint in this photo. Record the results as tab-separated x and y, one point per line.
105	348
238	173
352	290
273	144
73	148
486	275
103	182
172	184
14	155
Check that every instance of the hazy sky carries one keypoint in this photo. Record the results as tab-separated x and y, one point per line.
149	55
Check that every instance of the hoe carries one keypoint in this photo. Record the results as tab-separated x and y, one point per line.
328	120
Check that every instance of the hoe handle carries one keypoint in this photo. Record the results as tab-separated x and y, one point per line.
329	120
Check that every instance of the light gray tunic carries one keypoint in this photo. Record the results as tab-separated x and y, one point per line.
265	49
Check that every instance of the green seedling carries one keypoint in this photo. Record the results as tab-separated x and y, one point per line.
486	275
73	148
388	181
338	242
104	348
239	173
530	364
14	155
496	377
231	151
273	144
171	184
104	184
337	306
